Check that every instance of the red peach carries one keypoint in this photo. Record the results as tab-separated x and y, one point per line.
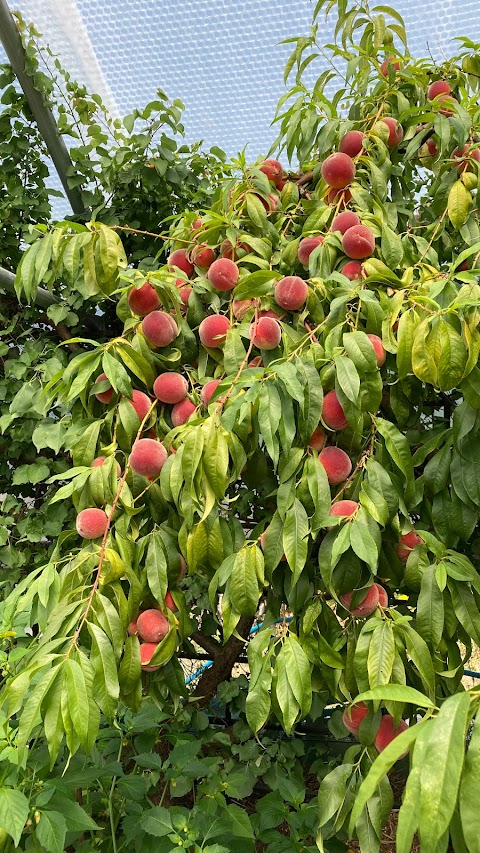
339	196
332	412
91	523
271	313
181	412
395	134
387	732
152	626
408	541
147	650
170	387
147	457
465	154
159	328
233	252
353	716
306	247
439	87
213	330
183	568
358	242
169	602
336	463
184	290
143	299
271	203
367	605
432	147
272	169
351	143
256	362
338	170
208	391
104	396
344	508
100	460
382	596
291	293
266	333
241	307
317	439
379	349
447	110
180	260
352	270
202	256
196	225
132	628
344	221
390	60
223	274
141	403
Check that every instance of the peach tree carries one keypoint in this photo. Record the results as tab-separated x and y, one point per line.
284	431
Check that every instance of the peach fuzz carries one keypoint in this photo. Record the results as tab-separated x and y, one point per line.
291	293
181	412
382	596
141	403
91	523
344	508
344	221
169	602
379	349
202	256
336	463
100	460
142	300
103	396
223	274
132	628
332	412
147	457
338	170
352	143
180	260
170	387
159	328
208	391
439	87
152	626
367	605
213	330
306	247
266	333
408	542
147	651
358	242
353	270
317	439
353	716
273	170
387	732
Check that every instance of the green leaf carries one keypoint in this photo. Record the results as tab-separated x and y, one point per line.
459	204
363	543
157	822
243	581
392	249
347	377
332	791
14	811
287	701
399	450
51	831
381	655
299	672
469	787
396	693
105	682
76	692
295	536
156	566
430	609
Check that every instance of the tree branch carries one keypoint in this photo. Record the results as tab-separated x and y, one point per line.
222	667
207	643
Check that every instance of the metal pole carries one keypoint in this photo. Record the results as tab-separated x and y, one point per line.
42	296
43	115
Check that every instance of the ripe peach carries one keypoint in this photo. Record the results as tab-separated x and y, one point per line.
152	626
99	461
241	307
358	242
170	387
367	605
387	732
147	650
306	247
382	596
202	256
338	170
273	170
271	313
351	143
352	270
169	602
344	221
233	252
256	362
181	412
332	412
341	508
196	224
132	628
395	129
465	154
336	463
147	457
432	147
265	333
353	716
439	87
141	403
407	542
390	60
271	203
213	330
180	260
103	396
449	102
291	293
208	390
223	274
317	439
143	299
159	328
379	349
184	290
91	523
339	196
